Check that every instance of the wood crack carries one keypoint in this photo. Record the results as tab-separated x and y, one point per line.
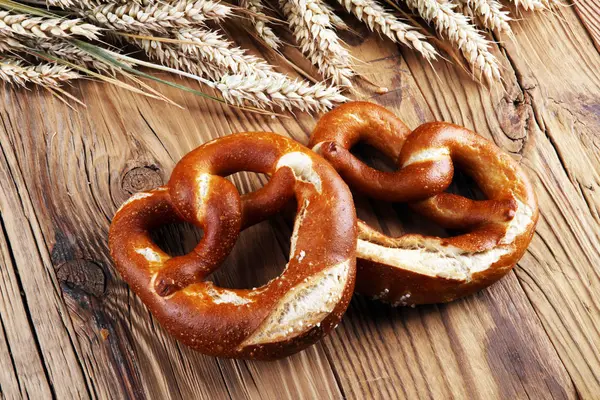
336	374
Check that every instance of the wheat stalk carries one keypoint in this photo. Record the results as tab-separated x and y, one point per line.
488	13
313	30
379	20
45	28
60	49
279	91
47	75
459	31
156	17
259	22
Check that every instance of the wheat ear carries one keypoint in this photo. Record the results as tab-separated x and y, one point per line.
379	20
211	47
156	17
47	75
335	19
9	44
259	22
204	53
313	30
45	28
278	91
172	56
459	31
488	14
263	89
530	5
69	52
89	4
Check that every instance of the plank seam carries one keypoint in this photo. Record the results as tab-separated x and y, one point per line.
12	359
537	317
225	381
26	308
336	375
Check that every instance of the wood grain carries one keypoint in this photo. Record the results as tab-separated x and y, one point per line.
72	329
589	12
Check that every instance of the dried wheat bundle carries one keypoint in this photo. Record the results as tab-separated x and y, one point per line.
184	37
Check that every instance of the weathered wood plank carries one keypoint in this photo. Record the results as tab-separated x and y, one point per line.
70	171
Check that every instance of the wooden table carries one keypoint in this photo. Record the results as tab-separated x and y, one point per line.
71	328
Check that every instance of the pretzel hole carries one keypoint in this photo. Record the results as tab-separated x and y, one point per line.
395	219
463	185
259	255
247	182
392	219
261	251
178	238
373	157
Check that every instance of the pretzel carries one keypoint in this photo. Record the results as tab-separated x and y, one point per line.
285	315
416	269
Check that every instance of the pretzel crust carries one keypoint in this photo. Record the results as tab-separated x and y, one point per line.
416	269
287	314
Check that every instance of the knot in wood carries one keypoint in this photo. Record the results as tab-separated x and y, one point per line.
84	275
140	179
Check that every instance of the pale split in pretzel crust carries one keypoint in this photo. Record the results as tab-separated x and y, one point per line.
431	257
416	269
303	307
285	315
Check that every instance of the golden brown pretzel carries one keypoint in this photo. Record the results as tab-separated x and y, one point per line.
417	269
291	311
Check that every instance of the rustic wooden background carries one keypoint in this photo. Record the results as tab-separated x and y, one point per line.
70	328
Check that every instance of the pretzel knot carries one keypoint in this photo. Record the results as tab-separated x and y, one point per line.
415	269
285	315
